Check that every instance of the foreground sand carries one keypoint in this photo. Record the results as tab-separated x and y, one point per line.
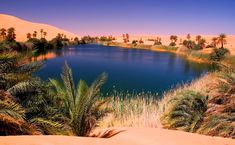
129	136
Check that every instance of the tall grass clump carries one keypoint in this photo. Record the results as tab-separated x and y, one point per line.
132	110
220	115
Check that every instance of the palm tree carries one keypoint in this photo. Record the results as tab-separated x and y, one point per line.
198	38
11	36
188	37
44	34
173	39
3	33
201	43
80	103
12	117
214	42
28	35
41	31
35	34
141	41
32	94
222	40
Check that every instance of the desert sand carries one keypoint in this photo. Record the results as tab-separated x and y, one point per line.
129	136
166	39
23	27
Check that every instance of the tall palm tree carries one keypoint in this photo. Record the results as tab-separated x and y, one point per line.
35	34
214	42
222	40
201	43
11	36
172	38
188	37
198	37
41	31
28	35
80	103
3	33
44	34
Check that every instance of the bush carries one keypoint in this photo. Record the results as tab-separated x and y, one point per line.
218	54
10	46
185	111
172	44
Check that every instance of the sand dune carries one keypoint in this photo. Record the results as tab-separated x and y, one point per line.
130	136
23	27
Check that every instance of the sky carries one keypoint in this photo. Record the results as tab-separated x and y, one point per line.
136	17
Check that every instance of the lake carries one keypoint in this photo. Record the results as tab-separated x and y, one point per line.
128	69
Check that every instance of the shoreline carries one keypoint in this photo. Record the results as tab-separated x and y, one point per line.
184	55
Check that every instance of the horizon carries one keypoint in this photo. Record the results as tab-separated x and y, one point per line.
134	17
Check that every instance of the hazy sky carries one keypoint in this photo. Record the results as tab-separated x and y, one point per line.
102	17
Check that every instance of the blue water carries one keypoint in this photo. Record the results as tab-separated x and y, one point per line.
128	69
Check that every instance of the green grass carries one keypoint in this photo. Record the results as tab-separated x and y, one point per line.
164	47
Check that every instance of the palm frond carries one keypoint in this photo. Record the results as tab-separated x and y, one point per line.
185	111
47	126
9	107
24	87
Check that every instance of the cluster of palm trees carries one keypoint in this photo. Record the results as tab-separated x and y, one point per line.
34	34
173	39
126	38
200	41
219	40
158	41
7	34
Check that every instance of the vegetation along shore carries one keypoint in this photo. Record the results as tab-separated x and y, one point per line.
30	106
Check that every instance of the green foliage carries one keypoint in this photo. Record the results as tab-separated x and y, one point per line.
172	44
218	54
39	44
134	42
108	39
218	125
189	44
88	39
56	43
13	71
10	107
10	46
185	111
12	117
80	103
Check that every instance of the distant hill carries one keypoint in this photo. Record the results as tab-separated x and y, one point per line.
23	27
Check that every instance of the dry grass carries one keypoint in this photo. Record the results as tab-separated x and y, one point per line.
132	110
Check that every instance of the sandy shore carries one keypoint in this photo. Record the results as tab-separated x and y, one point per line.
129	136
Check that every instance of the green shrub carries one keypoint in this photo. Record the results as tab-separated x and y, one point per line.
218	54
172	44
185	111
